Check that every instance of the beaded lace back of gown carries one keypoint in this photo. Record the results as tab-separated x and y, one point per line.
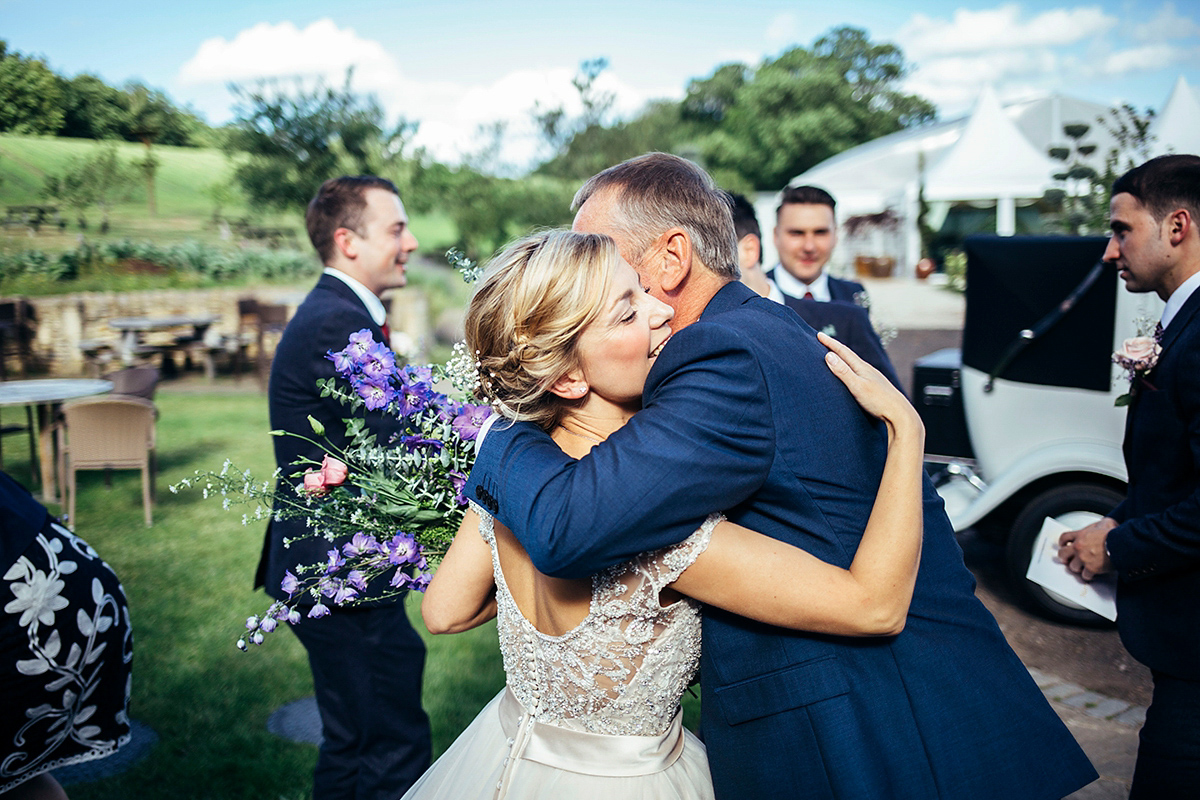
622	670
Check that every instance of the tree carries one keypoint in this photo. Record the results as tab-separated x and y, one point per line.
100	179
803	107
1082	198
92	109
30	94
558	129
149	111
297	137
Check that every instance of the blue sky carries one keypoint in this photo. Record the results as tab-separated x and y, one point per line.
457	65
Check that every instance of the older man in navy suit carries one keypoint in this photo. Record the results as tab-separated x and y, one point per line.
366	661
1152	539
740	415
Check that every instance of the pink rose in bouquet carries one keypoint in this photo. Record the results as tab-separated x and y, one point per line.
332	473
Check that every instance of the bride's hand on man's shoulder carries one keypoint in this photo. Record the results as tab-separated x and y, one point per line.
870	388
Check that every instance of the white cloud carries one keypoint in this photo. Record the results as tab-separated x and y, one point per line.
781	30
1000	28
1138	59
1167	23
450	114
283	50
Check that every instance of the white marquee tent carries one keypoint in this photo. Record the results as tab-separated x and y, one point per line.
996	157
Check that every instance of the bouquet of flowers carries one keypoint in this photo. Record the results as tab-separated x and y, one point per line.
395	506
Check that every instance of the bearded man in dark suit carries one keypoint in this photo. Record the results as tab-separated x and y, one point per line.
1152	539
366	661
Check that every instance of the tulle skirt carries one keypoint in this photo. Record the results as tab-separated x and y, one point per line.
503	753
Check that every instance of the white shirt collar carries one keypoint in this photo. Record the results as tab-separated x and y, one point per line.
373	304
773	292
1178	298
793	287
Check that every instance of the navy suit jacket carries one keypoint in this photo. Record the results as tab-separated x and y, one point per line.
741	415
323	322
851	326
1156	546
845	291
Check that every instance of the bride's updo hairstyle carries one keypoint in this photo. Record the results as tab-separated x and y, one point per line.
524	321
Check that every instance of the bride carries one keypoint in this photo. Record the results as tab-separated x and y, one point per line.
565	336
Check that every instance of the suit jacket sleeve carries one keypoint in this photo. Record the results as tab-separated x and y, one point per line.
1169	540
703	443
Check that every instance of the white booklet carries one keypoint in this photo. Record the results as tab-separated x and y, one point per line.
1098	595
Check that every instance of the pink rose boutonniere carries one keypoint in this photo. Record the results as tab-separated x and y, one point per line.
1137	356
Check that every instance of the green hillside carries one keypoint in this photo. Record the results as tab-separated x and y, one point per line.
183	172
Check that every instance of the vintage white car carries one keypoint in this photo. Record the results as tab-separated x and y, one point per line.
1022	422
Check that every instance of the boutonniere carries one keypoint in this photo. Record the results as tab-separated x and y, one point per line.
1137	356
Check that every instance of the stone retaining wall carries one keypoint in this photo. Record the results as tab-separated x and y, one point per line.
65	323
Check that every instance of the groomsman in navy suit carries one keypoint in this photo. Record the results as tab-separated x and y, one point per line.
805	235
366	661
1152	539
741	415
845	321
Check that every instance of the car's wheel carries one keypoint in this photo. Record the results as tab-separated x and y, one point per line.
1074	505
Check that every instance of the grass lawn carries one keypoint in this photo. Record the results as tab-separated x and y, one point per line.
188	582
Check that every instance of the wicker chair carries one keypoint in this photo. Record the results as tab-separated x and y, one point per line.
136	381
108	432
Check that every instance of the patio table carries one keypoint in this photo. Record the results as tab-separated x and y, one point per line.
132	328
41	399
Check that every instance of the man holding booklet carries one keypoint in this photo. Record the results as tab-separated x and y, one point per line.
1152	539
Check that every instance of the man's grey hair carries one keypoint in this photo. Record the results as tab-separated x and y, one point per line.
659	191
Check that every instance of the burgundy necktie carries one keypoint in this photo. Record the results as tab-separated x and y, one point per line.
387	334
808	296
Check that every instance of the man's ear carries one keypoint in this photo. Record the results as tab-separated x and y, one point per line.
749	250
345	241
676	254
1179	225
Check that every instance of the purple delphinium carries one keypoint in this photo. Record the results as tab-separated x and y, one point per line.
344	593
403	549
413	397
377	365
469	420
360	544
289	583
334	562
458	481
318	610
415	442
374	396
343	360
361	341
356	579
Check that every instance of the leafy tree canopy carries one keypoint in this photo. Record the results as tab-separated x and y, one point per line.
30	96
297	137
35	99
770	124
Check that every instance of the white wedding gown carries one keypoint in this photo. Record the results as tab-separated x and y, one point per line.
593	713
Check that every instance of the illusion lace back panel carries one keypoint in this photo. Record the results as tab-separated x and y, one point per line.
622	670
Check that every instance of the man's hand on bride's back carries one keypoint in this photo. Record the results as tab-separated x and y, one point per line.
874	393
